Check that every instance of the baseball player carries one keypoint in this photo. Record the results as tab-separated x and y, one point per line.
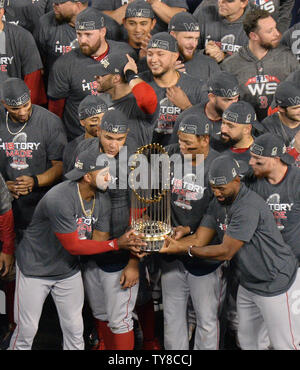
266	294
267	269
221	27
238	129
117	76
275	179
222	91
182	276
286	121
31	148
70	80
258	66
175	91
90	112
67	217
163	9
185	28
19	57
7	245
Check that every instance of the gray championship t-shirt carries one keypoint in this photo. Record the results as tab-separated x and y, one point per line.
265	264
201	66
19	54
281	199
291	39
274	125
70	79
40	254
166	112
190	197
29	151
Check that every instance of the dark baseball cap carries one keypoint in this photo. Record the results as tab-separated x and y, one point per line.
8	10
271	145
223	84
111	64
14	92
195	124
242	113
87	162
223	170
90	106
287	94
139	9
114	121
163	40
73	1
89	19
185	22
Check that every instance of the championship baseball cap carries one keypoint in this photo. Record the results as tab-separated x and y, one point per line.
223	170
271	145
183	21
89	19
287	94
242	113
163	40
114	121
90	106
223	84
87	162
195	124
139	9
111	64
14	92
73	1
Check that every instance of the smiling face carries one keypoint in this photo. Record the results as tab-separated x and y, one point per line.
187	43
161	61
137	29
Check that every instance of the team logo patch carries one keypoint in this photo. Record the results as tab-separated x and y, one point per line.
160	44
257	149
78	164
138	13
217	181
295	100
274	151
231	116
88	26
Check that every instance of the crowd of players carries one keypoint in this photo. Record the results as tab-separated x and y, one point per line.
84	82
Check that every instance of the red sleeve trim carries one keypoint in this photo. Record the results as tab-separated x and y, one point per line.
36	85
57	106
76	246
145	97
7	232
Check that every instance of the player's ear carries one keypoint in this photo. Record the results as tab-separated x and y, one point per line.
153	23
87	177
82	122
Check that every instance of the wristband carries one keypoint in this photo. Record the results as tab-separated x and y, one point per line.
36	182
189	251
130	75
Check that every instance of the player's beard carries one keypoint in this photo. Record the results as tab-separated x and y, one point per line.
60	19
228	140
186	57
90	50
269	46
227	201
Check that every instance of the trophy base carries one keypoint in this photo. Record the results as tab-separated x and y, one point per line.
153	246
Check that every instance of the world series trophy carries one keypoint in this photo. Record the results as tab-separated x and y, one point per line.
150	206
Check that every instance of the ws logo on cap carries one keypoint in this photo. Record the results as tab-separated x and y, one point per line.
160	44
191	27
294	101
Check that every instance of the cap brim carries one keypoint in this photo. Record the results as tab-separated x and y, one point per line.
287	159
74	174
98	70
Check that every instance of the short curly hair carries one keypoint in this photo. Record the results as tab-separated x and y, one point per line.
251	19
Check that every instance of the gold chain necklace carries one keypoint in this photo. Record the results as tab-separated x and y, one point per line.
14	133
87	214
